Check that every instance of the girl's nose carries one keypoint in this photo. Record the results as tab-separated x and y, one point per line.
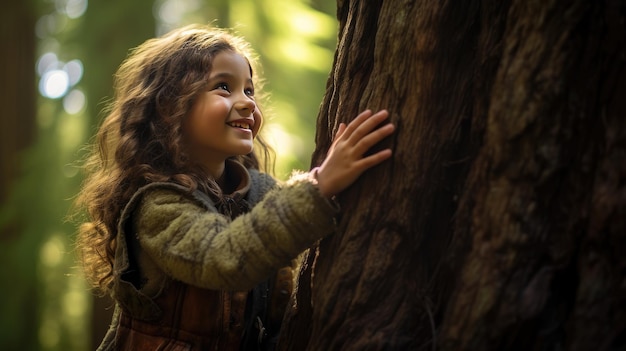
245	105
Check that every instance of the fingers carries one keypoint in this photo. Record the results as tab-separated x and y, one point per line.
346	159
365	125
361	134
352	126
340	130
372	160
373	138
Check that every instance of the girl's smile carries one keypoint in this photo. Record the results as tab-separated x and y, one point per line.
246	124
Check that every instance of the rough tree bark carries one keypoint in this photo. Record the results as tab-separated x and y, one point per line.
500	222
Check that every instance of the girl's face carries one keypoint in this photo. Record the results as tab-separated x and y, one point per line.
224	119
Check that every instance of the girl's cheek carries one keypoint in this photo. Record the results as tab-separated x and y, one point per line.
258	122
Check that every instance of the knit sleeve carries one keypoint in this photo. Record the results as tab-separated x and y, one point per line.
208	250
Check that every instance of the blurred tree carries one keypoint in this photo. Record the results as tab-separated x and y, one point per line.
500	223
18	92
18	253
107	32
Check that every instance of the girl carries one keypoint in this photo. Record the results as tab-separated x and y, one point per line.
185	233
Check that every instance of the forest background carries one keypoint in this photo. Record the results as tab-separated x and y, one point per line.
56	71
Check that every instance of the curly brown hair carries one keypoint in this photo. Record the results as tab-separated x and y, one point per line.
139	140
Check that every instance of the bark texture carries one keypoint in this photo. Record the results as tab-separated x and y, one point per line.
500	222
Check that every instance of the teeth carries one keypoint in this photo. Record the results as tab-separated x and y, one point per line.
240	125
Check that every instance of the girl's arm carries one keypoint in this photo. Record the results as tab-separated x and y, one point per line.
208	250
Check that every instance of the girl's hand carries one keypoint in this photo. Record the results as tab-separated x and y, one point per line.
345	161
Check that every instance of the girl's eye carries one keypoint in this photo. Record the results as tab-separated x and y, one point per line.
249	91
222	86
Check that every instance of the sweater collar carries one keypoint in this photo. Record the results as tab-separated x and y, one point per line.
238	174
234	204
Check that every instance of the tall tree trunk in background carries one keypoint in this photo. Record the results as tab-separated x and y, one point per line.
18	94
500	222
19	319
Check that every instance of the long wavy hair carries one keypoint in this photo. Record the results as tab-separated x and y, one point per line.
139	140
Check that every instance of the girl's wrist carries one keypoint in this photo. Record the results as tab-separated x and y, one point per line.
315	179
314	176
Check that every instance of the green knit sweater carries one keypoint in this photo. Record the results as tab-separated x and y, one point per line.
182	236
167	233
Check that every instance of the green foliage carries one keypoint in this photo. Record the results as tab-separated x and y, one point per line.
295	40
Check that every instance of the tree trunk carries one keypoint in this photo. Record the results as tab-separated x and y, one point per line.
19	303
17	73
500	222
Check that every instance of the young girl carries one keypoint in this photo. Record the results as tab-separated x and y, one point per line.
185	233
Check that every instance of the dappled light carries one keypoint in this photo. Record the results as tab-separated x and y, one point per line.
74	102
289	145
54	83
57	78
71	8
172	12
63	316
52	251
300	54
312	24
